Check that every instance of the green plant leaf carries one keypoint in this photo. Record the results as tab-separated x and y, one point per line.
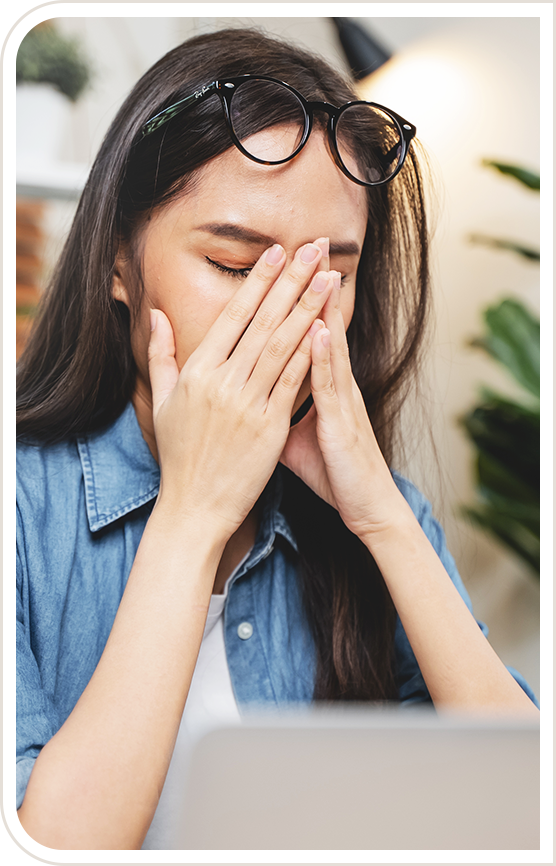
514	341
499	483
530	179
512	533
526	513
502	244
530	408
510	437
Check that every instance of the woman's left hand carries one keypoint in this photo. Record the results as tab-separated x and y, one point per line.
333	449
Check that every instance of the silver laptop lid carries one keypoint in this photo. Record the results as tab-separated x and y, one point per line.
354	778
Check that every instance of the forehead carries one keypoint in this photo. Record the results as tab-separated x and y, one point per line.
298	201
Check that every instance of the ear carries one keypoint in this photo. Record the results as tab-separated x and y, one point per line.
119	290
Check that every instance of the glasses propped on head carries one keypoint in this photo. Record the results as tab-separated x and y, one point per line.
270	122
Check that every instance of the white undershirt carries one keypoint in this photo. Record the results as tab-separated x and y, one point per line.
210	702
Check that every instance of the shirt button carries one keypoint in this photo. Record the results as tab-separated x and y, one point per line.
245	630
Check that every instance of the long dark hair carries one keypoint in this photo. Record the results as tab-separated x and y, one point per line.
78	373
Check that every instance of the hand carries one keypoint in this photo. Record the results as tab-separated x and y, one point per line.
333	449
222	422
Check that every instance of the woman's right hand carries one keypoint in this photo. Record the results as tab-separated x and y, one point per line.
222	422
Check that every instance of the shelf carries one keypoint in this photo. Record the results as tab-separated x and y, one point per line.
62	180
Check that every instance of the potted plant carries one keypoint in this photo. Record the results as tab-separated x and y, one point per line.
506	431
51	72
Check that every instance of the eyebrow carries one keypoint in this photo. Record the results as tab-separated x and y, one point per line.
235	232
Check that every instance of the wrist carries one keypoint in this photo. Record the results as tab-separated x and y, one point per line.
184	524
395	523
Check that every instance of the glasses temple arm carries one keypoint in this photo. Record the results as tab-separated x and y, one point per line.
183	104
387	158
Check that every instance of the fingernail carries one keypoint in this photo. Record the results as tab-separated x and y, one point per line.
316	326
153	320
326	338
337	279
324	244
274	254
309	253
320	282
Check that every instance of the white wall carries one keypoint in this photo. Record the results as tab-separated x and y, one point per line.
472	88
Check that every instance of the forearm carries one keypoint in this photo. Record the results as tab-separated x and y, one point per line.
460	668
96	784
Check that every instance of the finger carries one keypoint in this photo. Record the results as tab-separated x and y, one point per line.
275	309
324	263
339	350
294	373
163	369
225	332
324	244
285	340
322	381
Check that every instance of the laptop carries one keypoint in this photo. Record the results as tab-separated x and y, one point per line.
362	779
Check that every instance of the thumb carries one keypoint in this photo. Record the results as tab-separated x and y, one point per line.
163	370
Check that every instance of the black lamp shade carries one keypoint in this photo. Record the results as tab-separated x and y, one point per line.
363	53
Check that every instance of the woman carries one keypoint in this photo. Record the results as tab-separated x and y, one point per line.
172	465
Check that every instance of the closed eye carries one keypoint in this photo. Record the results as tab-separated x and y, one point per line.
242	273
237	273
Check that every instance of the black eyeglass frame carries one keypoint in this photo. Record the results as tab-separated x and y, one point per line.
226	88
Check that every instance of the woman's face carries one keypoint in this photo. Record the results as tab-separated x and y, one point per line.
196	252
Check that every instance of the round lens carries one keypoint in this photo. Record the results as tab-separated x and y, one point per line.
268	119
369	143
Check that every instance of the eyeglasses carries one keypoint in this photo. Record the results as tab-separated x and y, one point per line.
270	122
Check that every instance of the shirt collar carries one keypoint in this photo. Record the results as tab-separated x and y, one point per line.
119	470
273	521
120	475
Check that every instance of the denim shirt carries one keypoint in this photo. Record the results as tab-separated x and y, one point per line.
82	507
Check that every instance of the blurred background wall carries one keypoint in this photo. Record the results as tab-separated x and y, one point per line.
471	86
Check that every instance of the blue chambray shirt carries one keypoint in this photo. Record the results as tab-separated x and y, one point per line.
81	511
